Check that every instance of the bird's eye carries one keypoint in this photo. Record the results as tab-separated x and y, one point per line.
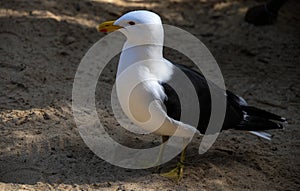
131	23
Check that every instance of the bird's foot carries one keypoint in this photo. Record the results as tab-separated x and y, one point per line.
157	169
176	174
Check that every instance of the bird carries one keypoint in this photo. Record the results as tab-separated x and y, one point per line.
153	101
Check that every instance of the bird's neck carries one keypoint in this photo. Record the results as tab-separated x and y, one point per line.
135	54
142	52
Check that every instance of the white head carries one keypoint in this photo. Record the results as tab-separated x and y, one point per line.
140	27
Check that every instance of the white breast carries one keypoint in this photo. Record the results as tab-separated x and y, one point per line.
141	97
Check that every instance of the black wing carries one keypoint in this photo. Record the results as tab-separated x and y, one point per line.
238	115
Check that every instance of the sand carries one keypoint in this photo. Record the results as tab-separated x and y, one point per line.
42	43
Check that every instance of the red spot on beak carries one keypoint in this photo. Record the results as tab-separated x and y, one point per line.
103	30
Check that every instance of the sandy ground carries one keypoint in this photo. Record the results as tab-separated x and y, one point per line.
42	43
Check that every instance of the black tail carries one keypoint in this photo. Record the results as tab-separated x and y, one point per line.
253	111
258	120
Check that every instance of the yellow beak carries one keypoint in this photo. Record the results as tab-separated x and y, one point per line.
108	26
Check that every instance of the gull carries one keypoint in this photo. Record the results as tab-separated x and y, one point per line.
147	99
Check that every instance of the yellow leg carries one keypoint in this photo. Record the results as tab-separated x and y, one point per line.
161	151
177	173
